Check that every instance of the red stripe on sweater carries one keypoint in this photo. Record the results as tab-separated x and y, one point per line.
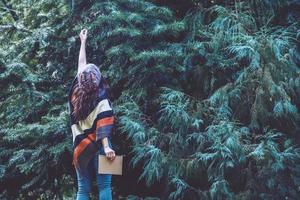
105	121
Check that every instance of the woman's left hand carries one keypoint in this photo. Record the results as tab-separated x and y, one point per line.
110	153
83	35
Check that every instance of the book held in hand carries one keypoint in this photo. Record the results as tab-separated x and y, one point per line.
107	166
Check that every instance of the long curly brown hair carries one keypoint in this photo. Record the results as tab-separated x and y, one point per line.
84	103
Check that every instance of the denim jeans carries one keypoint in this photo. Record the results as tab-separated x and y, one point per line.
103	180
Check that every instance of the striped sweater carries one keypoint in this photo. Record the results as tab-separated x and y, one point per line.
87	133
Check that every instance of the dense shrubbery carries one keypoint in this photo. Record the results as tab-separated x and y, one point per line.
207	96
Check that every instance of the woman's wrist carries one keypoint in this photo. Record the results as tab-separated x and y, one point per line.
105	142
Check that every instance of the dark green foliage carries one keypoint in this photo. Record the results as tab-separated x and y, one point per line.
206	94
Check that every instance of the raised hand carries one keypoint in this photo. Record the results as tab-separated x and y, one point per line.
83	35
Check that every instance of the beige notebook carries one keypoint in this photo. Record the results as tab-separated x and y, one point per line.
107	166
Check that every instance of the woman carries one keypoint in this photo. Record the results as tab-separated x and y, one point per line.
92	120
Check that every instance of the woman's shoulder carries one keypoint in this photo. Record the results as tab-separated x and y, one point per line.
103	94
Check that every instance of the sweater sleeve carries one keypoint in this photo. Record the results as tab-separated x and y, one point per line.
104	120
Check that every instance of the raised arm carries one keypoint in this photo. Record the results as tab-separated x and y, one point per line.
82	52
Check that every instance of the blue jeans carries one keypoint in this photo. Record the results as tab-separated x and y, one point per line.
103	180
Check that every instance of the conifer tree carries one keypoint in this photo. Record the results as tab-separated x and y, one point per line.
207	96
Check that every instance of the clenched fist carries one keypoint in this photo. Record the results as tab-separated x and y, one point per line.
110	154
83	35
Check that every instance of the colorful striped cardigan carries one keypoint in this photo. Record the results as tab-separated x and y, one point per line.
87	133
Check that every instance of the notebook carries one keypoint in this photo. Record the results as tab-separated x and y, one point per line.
106	166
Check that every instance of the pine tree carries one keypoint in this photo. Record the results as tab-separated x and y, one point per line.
206	96
35	72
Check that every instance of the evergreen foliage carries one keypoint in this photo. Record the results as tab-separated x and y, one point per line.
207	95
